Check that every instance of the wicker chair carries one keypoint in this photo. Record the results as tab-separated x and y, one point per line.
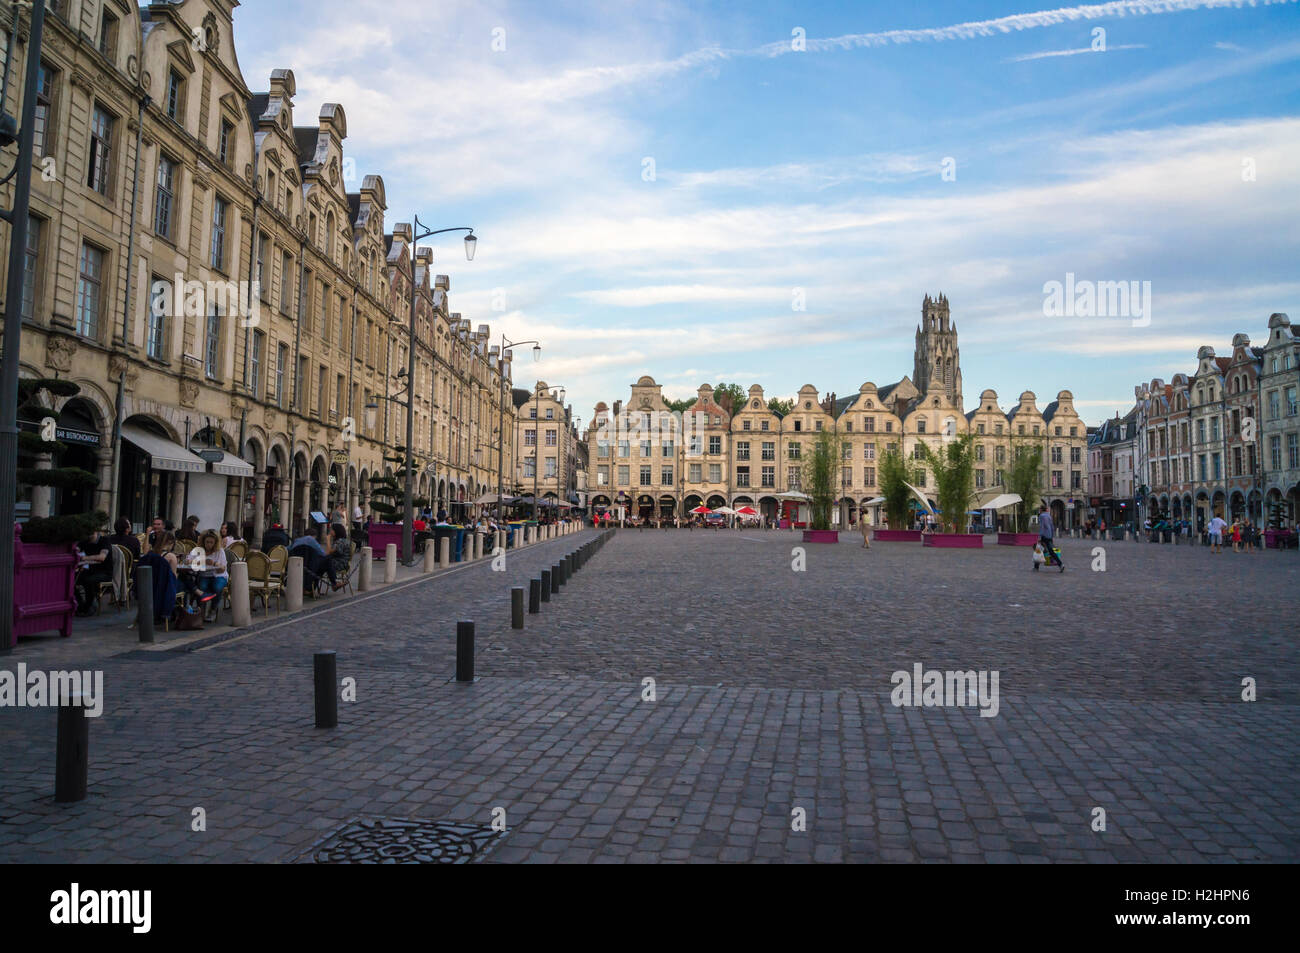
261	583
237	551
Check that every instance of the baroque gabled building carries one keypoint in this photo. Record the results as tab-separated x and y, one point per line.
754	455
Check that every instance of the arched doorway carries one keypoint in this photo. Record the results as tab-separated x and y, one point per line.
645	507
79	432
715	501
146	491
667	507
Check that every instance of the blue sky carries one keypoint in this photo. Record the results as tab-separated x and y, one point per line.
821	169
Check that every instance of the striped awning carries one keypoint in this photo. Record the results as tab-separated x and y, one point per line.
231	465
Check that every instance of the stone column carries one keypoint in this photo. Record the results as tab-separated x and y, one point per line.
259	507
234	505
41	495
308	491
104	492
176	505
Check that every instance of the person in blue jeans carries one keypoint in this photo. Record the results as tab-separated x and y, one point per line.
1045	533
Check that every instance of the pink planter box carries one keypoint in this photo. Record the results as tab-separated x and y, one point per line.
381	534
821	536
1017	539
896	535
44	578
954	540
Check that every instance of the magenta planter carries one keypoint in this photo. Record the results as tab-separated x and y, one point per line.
821	536
897	535
1017	539
381	534
954	540
44	578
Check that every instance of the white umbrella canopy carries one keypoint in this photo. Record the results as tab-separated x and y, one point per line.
487	498
725	510
793	495
1001	502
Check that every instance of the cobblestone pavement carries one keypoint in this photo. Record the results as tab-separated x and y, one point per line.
1119	690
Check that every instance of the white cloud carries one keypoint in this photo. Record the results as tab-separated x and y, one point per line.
1046	54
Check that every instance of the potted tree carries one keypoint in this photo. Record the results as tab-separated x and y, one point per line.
45	561
819	472
388	499
954	479
895	473
1023	479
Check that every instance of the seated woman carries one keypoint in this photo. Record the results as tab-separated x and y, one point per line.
215	575
162	561
227	535
340	555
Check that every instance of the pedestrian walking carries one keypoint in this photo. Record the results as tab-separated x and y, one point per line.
1216	528
1045	533
866	534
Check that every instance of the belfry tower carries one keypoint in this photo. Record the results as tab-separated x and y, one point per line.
937	359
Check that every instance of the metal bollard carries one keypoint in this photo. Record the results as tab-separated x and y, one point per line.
144	602
547	585
367	567
517	607
326	675
557	576
464	651
241	610
534	596
390	562
72	746
293	583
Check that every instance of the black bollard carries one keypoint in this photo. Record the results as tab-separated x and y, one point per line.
72	749
144	602
534	596
548	585
464	651
557	572
517	607
325	670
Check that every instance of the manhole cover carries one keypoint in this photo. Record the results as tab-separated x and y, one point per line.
387	840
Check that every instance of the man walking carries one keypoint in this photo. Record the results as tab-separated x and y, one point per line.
1045	533
1216	528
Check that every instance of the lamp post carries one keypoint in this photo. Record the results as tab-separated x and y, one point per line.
17	217
501	457
408	505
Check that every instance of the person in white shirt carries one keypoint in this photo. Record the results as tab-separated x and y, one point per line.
1215	529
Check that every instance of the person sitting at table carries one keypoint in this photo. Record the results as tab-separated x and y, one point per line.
340	555
122	536
214	575
162	561
275	536
95	562
156	528
419	525
227	535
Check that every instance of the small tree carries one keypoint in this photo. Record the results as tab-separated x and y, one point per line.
730	397
388	493
819	477
894	473
779	406
1023	478
954	479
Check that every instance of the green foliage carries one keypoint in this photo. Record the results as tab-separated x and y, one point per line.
730	397
1024	477
893	474
31	386
59	530
32	443
681	406
64	478
820	468
387	493
953	465
779	406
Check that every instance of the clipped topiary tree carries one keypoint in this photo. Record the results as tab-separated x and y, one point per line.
61	529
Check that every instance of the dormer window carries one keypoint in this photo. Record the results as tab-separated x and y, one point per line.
108	35
175	96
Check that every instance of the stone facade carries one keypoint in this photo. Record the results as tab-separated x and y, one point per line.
753	456
218	277
545	432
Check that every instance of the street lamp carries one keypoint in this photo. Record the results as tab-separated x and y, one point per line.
506	345
408	504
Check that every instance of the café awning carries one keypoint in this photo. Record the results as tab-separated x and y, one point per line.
163	454
1001	502
231	465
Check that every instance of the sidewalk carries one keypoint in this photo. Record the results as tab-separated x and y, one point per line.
113	632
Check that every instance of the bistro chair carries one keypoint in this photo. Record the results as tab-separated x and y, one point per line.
261	584
237	550
279	557
120	584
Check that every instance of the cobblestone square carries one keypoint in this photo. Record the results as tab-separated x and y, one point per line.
771	736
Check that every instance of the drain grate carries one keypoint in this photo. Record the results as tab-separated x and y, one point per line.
390	840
